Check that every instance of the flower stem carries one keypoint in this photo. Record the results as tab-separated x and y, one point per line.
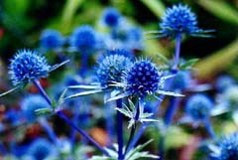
84	134
68	121
171	110
177	52
42	91
209	128
49	130
120	131
133	130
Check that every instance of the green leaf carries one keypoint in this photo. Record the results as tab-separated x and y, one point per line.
188	64
221	9
43	111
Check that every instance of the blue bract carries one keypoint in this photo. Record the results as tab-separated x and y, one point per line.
40	149
27	65
84	39
51	39
179	20
199	107
30	104
111	17
143	78
113	66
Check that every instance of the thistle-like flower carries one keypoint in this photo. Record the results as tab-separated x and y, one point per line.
26	66
112	67
84	39
111	17
224	82
51	39
181	81
31	104
199	107
110	72
179	19
144	78
227	148
40	149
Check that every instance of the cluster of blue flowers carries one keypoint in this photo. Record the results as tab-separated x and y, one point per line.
135	86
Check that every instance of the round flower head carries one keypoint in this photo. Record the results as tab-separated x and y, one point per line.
142	78
84	39
231	97
112	67
224	82
51	39
180	81
228	148
30	104
178	20
26	66
199	107
40	149
111	17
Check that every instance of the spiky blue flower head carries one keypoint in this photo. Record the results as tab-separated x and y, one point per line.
228	147
40	149
224	82
199	107
143	78
111	17
51	39
113	66
181	81
26	66
30	104
179	19
84	39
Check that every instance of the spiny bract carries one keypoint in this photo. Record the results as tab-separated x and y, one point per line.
113	66
84	39
26	66
51	39
142	78
199	107
178	20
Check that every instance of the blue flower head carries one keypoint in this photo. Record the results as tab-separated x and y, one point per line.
199	107
224	82
112	67
51	39
142	78
84	39
179	19
111	17
40	149
30	104
181	81
228	148
26	66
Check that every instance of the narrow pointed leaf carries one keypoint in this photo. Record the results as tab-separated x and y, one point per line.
9	91
169	93
56	66
85	93
120	96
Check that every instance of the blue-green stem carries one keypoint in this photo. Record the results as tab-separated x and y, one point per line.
120	131
170	112
178	40
66	119
209	128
